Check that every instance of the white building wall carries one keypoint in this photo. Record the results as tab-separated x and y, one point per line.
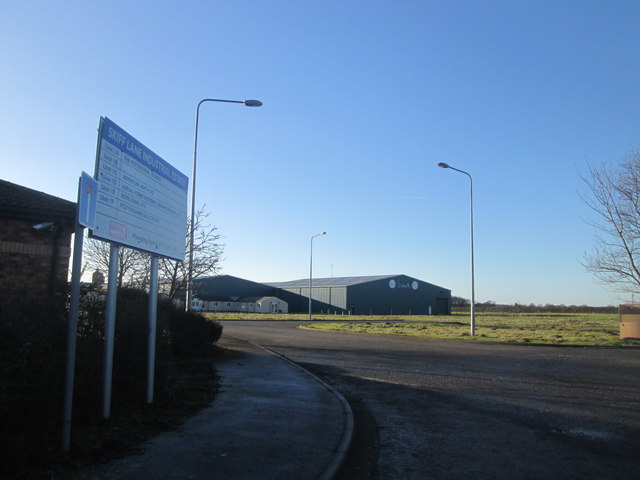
265	305
272	305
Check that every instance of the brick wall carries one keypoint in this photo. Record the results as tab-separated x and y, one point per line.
26	257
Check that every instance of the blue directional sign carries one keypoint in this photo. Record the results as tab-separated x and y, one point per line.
87	201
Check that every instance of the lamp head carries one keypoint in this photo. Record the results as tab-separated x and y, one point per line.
443	165
253	103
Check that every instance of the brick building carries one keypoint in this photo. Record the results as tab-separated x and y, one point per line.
35	241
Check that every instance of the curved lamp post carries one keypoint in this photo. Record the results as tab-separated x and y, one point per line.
473	290
248	103
311	269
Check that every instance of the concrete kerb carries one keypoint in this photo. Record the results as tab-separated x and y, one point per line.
345	443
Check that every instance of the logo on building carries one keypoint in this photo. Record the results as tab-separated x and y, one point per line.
394	284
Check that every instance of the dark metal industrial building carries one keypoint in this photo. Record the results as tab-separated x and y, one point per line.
372	295
228	286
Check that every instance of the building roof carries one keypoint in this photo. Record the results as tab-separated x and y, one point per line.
21	202
228	285
331	282
217	298
260	299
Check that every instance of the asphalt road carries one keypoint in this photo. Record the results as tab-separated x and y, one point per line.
456	410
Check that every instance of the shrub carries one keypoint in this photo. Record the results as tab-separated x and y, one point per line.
192	335
32	338
33	356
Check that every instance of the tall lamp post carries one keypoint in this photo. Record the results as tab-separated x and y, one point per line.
311	269
248	103
473	289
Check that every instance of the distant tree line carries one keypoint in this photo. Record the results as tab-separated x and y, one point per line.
460	304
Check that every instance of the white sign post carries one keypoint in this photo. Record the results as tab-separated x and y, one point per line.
74	304
141	203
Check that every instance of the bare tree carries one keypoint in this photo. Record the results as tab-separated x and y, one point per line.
614	194
134	266
131	263
207	256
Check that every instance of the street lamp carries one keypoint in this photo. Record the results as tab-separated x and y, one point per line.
311	269
473	290
248	103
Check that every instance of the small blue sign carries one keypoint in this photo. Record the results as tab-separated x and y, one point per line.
87	201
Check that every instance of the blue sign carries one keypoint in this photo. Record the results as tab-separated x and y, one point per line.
87	201
142	200
125	143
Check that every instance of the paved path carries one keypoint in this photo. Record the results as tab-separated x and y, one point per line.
272	420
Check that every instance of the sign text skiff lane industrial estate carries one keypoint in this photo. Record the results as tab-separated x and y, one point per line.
142	199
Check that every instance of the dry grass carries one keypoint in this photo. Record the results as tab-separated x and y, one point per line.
532	328
595	329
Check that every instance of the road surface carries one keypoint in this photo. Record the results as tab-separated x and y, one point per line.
454	410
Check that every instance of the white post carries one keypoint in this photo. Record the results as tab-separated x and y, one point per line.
109	329
311	270
473	281
248	103
310	275
153	315
72	331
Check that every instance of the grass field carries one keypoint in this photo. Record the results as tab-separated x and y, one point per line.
586	329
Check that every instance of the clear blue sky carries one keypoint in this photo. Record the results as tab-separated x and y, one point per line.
362	99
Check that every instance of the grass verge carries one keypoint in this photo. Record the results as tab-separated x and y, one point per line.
580	329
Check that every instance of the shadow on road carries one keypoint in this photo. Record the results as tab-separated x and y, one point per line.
410	432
